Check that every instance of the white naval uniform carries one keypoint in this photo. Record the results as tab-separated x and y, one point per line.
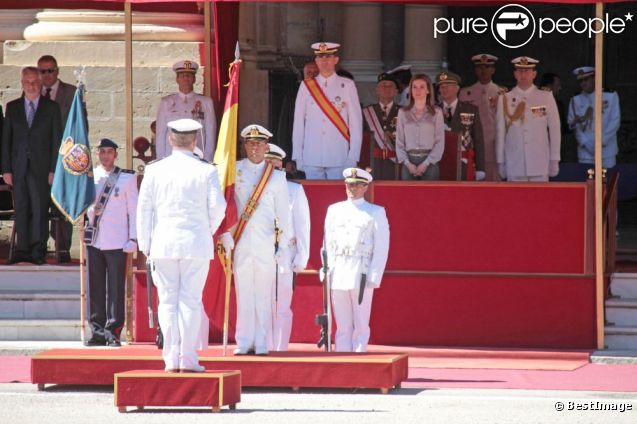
485	97
294	257
254	264
193	106
532	141
357	242
118	222
585	134
318	147
105	257
180	207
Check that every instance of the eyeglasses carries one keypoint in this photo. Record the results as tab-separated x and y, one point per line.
49	71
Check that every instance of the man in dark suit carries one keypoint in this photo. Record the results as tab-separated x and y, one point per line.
452	108
62	93
30	141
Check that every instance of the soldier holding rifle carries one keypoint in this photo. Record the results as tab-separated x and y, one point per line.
357	245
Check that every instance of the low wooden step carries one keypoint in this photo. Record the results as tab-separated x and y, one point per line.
143	388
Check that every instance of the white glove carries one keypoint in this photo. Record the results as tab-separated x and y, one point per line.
502	170
90	214
130	246
554	168
480	175
228	243
297	267
322	275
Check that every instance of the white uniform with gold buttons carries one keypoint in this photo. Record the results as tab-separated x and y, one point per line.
316	141
117	224
294	257
526	143
194	106
254	261
357	242
180	207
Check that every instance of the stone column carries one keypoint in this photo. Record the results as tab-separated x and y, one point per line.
13	23
361	51
422	51
393	35
89	25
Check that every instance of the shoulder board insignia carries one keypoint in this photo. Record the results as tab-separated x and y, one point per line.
205	161
128	171
502	90
545	89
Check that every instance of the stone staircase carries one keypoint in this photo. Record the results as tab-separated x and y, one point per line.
40	303
621	313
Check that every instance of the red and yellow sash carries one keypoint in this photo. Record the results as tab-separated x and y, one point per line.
253	202
327	107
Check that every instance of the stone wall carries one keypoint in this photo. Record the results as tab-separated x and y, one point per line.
105	79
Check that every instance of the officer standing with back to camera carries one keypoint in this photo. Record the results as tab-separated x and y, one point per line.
113	221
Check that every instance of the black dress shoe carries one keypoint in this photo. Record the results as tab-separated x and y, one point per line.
113	343
38	261
19	258
95	341
65	258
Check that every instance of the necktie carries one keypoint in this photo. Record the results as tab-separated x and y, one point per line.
31	114
48	93
448	115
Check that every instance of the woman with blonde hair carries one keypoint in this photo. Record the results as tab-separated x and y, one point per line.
420	132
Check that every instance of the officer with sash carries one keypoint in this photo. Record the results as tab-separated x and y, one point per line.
357	244
261	196
180	208
293	258
462	120
484	94
111	235
527	128
581	119
328	128
186	104
380	121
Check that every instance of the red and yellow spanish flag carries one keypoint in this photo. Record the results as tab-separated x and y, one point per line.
226	161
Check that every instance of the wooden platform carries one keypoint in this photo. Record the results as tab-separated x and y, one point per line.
143	388
97	366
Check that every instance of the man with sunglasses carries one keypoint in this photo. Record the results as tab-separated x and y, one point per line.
357	244
61	93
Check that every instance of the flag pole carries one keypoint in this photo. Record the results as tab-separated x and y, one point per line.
226	309
82	286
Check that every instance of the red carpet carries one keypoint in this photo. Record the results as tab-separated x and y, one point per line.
591	377
15	369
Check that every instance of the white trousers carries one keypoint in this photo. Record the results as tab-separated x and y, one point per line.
281	312
180	283
323	173
352	319
253	279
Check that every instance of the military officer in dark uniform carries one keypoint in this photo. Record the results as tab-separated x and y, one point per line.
380	122
462	118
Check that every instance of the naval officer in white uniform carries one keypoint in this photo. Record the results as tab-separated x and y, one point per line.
293	258
357	243
261	211
116	236
186	104
180	207
581	119
327	136
527	128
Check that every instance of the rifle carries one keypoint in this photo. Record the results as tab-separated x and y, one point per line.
325	319
277	238
159	339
